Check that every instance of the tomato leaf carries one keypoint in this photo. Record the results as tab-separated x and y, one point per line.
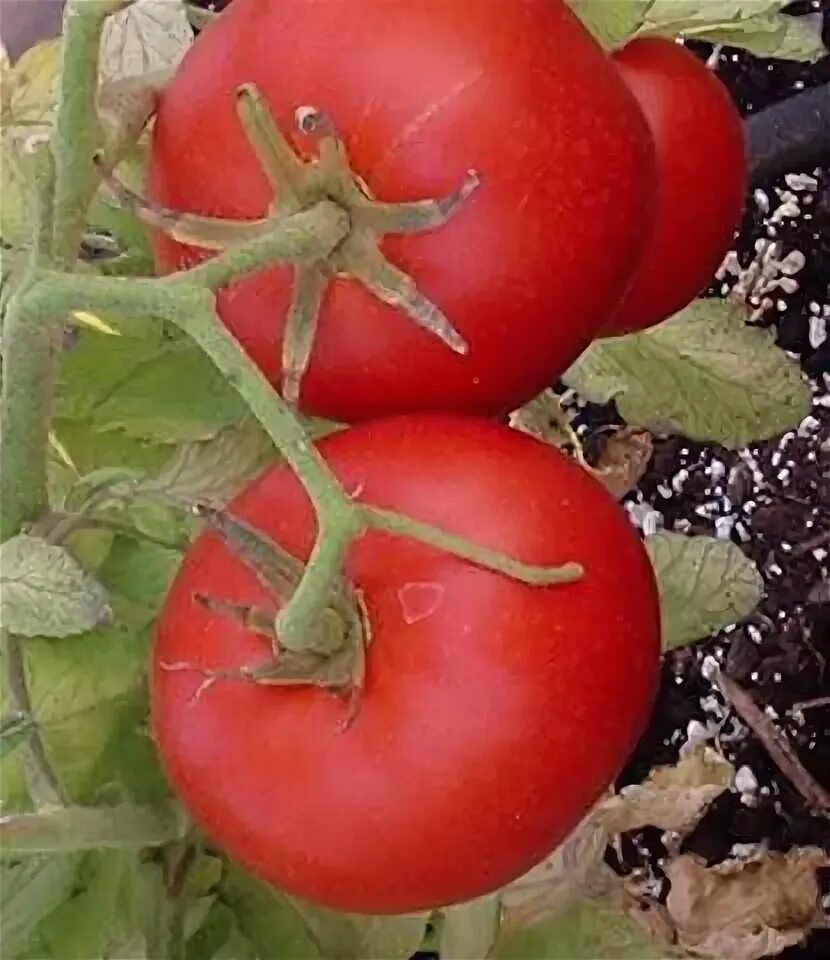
611	22
583	932
469	930
358	937
124	383
108	905
213	469
748	909
758	26
705	584
269	921
46	592
28	102
29	892
146	37
85	691
703	373
138	573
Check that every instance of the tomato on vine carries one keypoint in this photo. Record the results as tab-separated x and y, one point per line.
492	713
508	115
701	179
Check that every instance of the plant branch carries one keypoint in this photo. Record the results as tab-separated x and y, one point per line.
77	133
789	136
487	559
303	237
42	783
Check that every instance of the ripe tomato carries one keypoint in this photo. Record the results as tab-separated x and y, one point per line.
701	178
421	93
493	714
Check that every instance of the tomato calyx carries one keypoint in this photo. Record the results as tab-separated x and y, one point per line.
299	185
335	652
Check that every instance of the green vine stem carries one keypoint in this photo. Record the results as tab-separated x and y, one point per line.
77	133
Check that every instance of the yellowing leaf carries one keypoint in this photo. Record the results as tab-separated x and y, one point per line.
29	91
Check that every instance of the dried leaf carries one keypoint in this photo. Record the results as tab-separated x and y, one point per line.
148	37
544	418
624	460
672	798
46	592
744	910
574	870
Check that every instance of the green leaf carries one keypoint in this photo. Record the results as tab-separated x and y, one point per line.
29	892
469	930
124	383
267	919
212	470
344	936
583	932
28	102
611	22
129	232
81	927
705	584
46	592
138	573
755	25
214	934
703	373
88	699
70	829
286	928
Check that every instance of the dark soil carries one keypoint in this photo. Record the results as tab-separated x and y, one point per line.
773	500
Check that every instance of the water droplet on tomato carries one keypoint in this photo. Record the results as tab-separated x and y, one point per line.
419	600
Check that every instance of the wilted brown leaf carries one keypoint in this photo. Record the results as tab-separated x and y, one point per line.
744	910
575	869
672	798
624	460
544	418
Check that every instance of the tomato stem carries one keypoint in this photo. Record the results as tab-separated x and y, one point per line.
484	557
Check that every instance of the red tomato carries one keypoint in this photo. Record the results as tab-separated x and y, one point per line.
701	178
494	713
422	92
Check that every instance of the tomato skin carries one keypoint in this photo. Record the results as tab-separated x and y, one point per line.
493	714
701	179
422	92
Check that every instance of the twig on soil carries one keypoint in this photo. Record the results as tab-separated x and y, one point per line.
776	743
810	704
807	546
